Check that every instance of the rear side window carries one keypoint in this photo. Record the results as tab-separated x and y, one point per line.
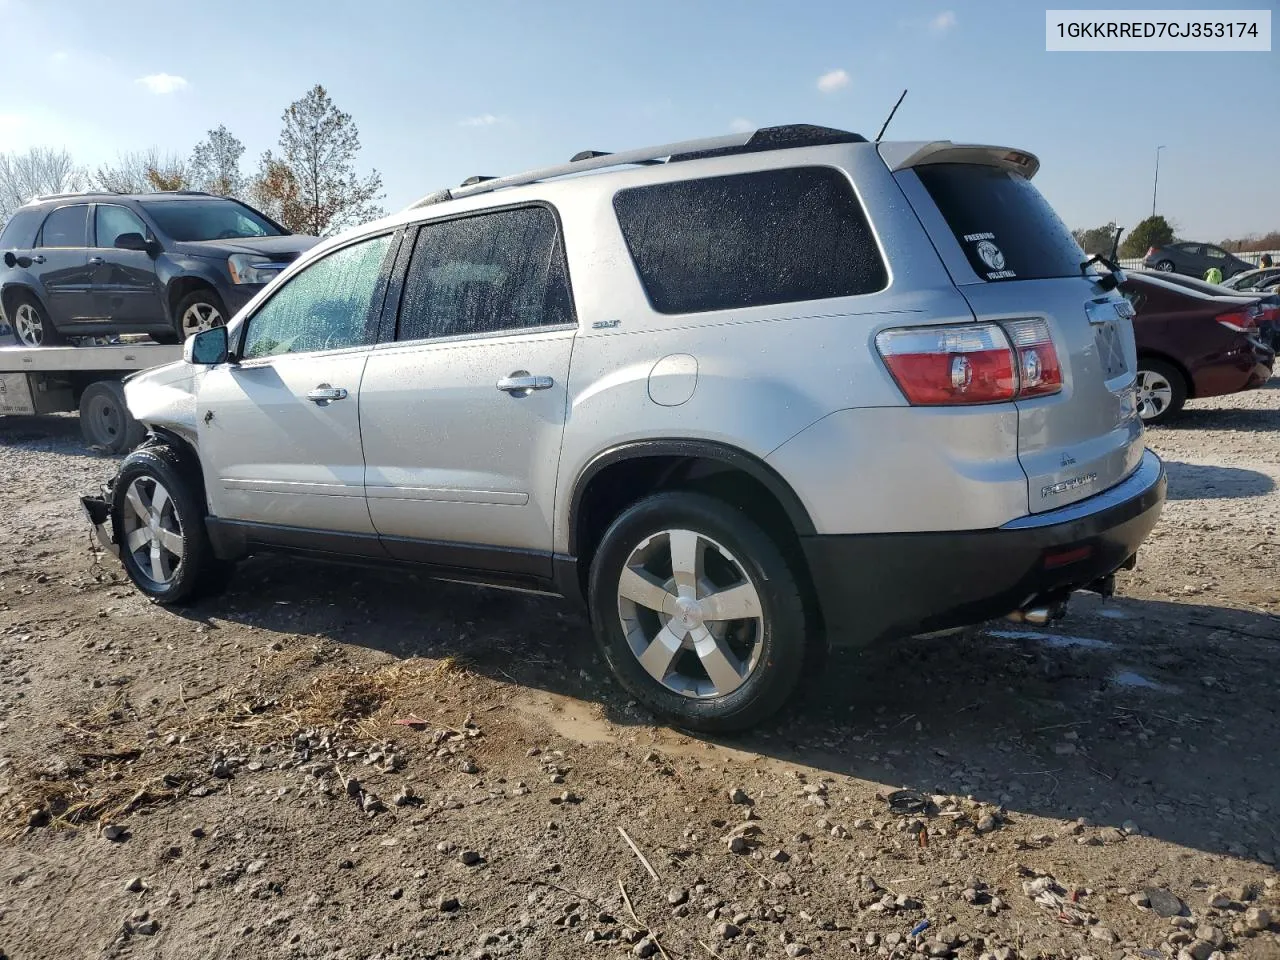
749	240
1005	227
20	231
64	227
485	274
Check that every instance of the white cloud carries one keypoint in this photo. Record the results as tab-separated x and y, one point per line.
943	22
162	83
741	126
483	120
833	80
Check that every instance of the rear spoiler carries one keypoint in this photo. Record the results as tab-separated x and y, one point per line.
906	154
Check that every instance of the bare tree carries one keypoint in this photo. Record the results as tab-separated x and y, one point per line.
38	171
312	185
145	171
215	163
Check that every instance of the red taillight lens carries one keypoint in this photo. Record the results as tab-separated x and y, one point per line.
1039	373
972	362
1240	322
1151	251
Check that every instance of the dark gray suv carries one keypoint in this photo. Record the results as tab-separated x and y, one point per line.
166	264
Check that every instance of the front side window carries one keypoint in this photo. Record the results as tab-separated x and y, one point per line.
749	240
328	305
110	221
64	227
190	221
488	273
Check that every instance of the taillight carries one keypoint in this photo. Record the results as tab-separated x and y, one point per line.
1240	321
1151	251
1038	370
972	362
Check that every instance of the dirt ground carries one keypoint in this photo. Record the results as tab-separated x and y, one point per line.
232	781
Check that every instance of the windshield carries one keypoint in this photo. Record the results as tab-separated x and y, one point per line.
190	220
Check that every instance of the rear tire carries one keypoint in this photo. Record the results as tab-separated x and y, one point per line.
31	324
1162	390
680	551
105	420
158	513
1165	266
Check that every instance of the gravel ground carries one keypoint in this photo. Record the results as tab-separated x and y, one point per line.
232	781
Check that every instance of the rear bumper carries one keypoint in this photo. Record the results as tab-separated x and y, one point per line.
876	585
1247	365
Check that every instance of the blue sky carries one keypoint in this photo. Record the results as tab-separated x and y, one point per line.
441	91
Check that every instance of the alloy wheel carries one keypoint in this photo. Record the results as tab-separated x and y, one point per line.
200	316
153	530
1155	393
28	326
691	614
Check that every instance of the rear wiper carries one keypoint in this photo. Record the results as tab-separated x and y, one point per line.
1108	281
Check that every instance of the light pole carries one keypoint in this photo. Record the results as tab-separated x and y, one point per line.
1156	184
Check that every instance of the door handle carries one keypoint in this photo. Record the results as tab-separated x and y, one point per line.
522	383
323	394
96	260
38	258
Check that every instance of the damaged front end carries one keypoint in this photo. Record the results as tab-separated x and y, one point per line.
163	398
97	511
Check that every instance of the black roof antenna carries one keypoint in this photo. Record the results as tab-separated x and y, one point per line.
890	117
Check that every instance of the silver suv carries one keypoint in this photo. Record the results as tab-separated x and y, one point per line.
745	396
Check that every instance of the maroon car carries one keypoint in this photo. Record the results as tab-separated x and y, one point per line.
1193	343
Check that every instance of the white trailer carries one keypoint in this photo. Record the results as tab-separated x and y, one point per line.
40	380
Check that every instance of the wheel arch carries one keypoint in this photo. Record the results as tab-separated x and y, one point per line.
184	285
11	290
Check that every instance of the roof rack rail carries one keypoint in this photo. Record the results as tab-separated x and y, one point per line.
185	193
766	138
41	198
478	178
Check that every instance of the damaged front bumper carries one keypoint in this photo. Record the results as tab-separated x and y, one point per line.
97	511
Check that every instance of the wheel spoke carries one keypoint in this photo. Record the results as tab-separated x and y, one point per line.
721	666
138	538
134	496
172	542
657	657
686	561
158	500
640	586
734	603
157	563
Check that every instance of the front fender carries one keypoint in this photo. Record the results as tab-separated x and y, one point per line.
165	398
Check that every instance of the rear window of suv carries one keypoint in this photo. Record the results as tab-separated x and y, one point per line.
749	240
1005	227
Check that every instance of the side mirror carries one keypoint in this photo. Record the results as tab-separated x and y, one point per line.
132	241
206	347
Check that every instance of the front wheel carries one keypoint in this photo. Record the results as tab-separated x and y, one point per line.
158	515
1161	391
197	311
697	612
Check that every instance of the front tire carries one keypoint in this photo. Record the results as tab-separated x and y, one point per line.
158	516
199	310
697	612
1162	391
